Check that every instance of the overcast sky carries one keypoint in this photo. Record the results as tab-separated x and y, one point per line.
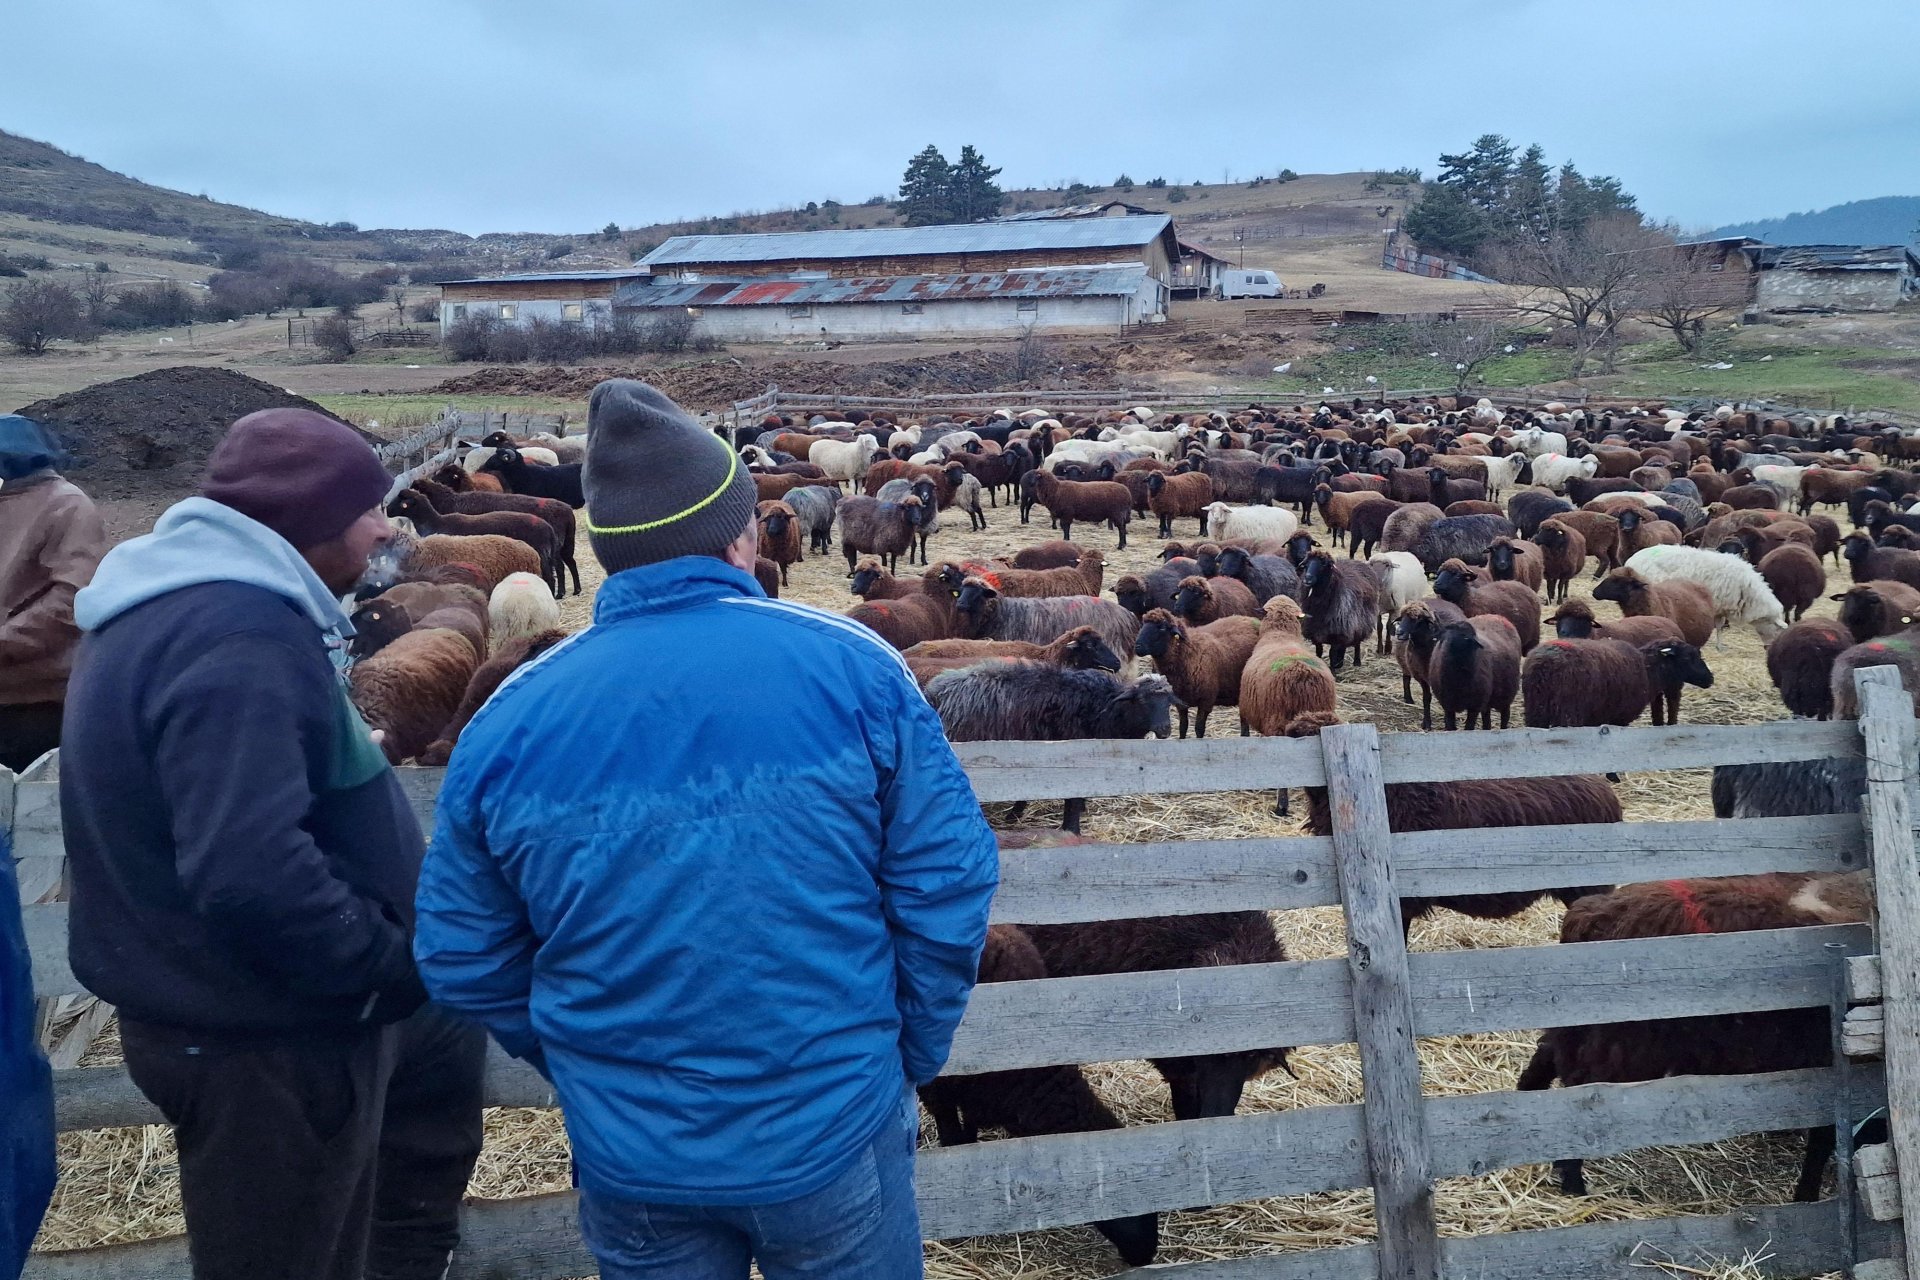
558	115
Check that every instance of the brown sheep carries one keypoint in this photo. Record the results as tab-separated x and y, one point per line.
779	535
1080	648
409	691
1794	575
495	558
1688	604
1878	608
1202	600
1047	555
1283	678
1338	509
486	678
1570	683
1203	663
1513	601
1563	556
1081	578
1752	497
1575	621
871	581
1512	560
1641	528
1476	667
1178	497
768	488
1475	507
1601	533
1093	501
907	621
1416	629
1800	664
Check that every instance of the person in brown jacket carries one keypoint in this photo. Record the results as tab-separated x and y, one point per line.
51	538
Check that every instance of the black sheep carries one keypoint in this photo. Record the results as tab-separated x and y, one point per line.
1265	576
1459	538
1671	666
1530	506
520	476
1341	599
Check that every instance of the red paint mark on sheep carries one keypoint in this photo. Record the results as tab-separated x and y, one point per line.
1689	906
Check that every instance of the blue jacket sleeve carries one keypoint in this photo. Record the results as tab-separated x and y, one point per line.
939	866
472	938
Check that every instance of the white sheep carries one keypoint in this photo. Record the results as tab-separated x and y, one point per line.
521	605
1252	523
1740	594
1786	480
1503	472
1402	581
1553	470
1534	442
844	461
563	448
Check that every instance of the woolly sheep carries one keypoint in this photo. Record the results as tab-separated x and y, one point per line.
1402	581
1739	593
984	614
1224	521
493	556
507	659
1800	664
409	691
1553	470
1202	662
815	506
1475	668
521	606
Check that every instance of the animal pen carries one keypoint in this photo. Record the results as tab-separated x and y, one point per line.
1380	997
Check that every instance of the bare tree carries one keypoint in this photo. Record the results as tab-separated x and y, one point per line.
39	311
1581	278
1462	346
1683	287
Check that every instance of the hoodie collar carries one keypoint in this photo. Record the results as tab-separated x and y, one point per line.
200	541
679	583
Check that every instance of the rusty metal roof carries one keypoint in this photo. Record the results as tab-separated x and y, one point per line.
552	277
886	242
1117	280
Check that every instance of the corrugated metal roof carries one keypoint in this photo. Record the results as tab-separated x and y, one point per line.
1837	257
552	277
883	242
1117	280
1074	211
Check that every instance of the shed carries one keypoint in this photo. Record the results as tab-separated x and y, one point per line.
1836	277
1102	298
955	249
1198	272
580	297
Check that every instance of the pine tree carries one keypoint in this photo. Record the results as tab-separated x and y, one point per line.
972	194
1446	222
1529	202
926	189
1482	173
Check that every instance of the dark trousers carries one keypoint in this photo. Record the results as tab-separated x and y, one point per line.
324	1160
28	730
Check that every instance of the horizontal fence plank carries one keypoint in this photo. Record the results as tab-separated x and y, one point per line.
1074	883
1506	859
1535	753
1120	767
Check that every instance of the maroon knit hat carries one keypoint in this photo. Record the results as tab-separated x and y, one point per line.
300	473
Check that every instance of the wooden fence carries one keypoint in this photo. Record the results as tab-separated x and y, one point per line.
420	452
1380	997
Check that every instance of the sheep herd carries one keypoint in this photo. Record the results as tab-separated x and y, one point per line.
1447	539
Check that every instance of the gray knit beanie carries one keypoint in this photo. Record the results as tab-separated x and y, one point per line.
658	485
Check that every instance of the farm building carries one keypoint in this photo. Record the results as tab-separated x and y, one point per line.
584	297
928	251
1048	299
1838	277
1197	272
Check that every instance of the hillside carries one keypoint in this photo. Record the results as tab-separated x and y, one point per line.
1885	220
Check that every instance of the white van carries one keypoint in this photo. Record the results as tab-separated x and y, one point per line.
1248	284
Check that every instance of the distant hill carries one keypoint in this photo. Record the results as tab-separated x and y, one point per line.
1885	220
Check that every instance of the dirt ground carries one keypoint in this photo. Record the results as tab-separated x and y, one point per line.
122	1185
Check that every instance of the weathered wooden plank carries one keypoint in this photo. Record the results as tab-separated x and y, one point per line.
1864	1033
1074	883
76	1039
1880	1269
1116	767
1533	753
36	821
1383	1016
46	931
1893	760
1878	1180
1863	978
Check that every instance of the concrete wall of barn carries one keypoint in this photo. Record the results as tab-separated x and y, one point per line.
1785	288
591	310
875	321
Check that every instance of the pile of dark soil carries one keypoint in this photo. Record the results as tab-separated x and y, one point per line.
148	437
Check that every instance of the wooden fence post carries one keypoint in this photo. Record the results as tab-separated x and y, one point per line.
1409	1248
1887	722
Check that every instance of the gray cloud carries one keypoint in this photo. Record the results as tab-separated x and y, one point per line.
500	115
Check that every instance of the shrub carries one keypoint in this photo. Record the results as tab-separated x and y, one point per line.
103	267
1176	195
425	311
334	335
1123	183
468	337
1285	175
610	232
8	269
559	250
38	312
153	306
1156	183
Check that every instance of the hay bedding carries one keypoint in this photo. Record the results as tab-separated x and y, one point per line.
122	1185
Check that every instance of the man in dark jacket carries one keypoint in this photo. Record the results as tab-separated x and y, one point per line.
243	868
734	921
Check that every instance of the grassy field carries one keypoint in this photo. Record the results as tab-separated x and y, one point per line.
396	413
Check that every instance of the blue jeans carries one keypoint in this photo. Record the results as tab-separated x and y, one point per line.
863	1225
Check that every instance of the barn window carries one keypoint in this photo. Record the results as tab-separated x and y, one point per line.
508	310
459	311
1027	304
800	312
912	308
573	311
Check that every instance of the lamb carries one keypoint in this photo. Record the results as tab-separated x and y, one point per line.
1476	667
1869	562
1094	501
1342	605
966	495
814	506
1513	601
1460	538
984	614
557	514
519	525
1584	682
1401	583
507	658
1800	664
1878	608
521	476
1202	663
1689	605
1672	665
1901	650
1032	702
1727	1044
883	529
1155	590
1472	804
521	606
1081	649
1172	497
1254	524
490	555
1202	600
779	535
1265	576
1739	593
1511	560
409	691
1032	1101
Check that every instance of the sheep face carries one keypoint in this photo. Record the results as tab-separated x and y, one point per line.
974	597
1159	633
1500	559
1450	583
1142	708
1233	562
864	578
1300	549
1088	652
502	459
1573	622
1856	546
1683	661
1619	587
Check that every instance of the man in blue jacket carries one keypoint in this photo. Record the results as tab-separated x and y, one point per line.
712	867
